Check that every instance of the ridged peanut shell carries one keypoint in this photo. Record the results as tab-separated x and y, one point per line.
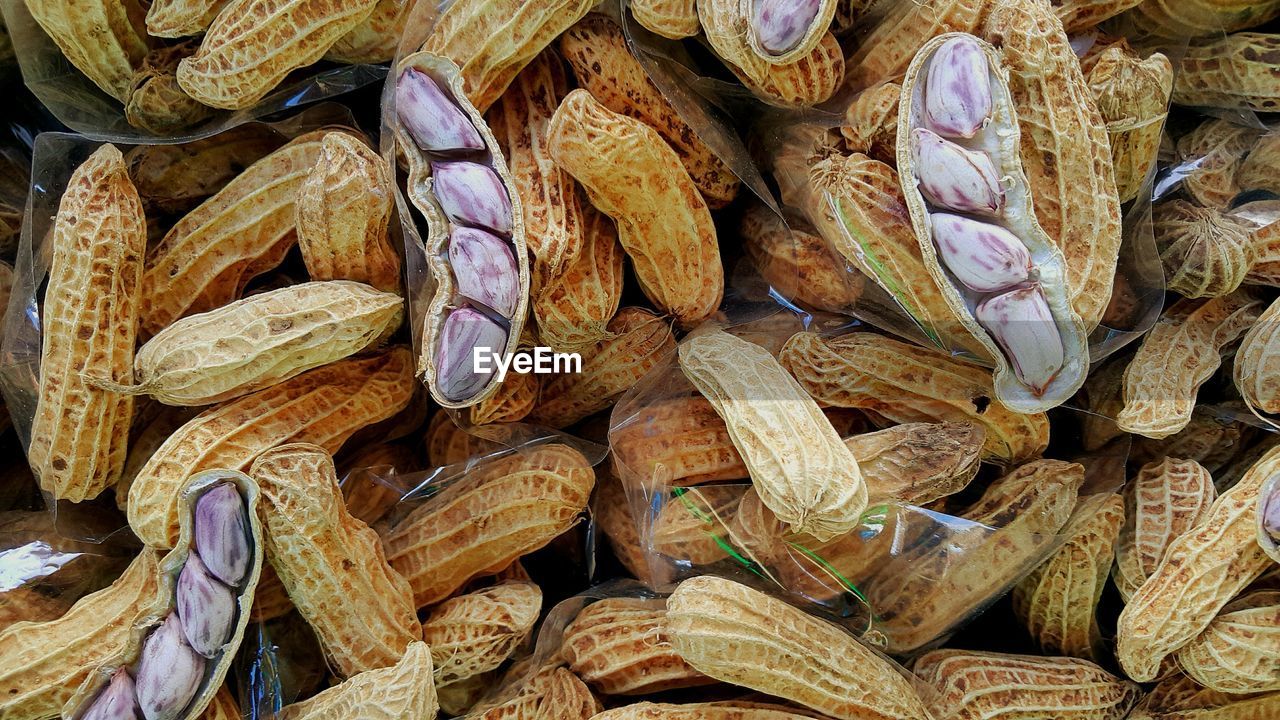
1178	697
1132	93
1196	18
173	179
1166	499
447	444
156	104
1239	652
1260	169
1257	363
689	529
405	690
375	39
24	604
871	122
1213	153
1080	15
104	39
474	633
552	694
1204	252
887	50
323	406
797	262
88	323
617	645
179	18
1235	72
573	310
725	710
685	436
918	463
674	19
1215	437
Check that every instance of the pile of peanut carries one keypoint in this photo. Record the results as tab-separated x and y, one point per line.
1002	443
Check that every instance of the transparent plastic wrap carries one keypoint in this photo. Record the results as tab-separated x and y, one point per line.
56	157
86	108
906	575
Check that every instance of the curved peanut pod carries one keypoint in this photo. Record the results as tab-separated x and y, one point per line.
453	330
42	663
573	311
617	645
492	40
253	44
1178	696
1204	252
1201	571
888	49
210	255
501	510
664	224
906	383
1058	601
344	216
1179	354
89	319
804	80
601	61
675	19
167	683
742	636
1240	650
324	406
1198	18
156	103
1132	95
1260	169
475	633
1214	152
1166	499
405	690
784	31
173	179
871	122
554	693
104	39
722	710
798	464
331	564
797	262
1065	149
1257	363
180	18
1234	72
375	39
973	685
1027	378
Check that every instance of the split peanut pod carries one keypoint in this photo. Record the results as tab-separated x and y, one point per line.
180	652
971	205
475	239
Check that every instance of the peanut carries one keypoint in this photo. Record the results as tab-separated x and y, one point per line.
474	633
739	635
448	444
405	690
1234	72
323	406
1214	152
551	694
674	19
179	18
1255	372
784	31
1080	15
503	509
732	710
633	176
1204	253
375	39
871	122
79	433
1178	696
1239	652
1213	438
797	263
617	645
1166	499
1132	95
887	50
1258	169
156	104
104	39
1196	18
173	179
573	311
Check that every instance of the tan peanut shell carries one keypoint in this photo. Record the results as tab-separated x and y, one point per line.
1258	170
42	663
173	179
1213	438
918	462
1081	15
1058	601
1179	354
1204	252
207	257
492	40
104	39
375	39
516	397
88	324
1132	94
858	205
618	647
798	464
597	53
405	690
552	694
447	444
638	340
503	509
1201	571
1234	72
474	633
870	122
1196	18
344	216
179	18
674	19
906	383
690	530
253	44
553	210
981	685
263	340
1257	363
684	436
1178	697
331	564
742	636
24	604
798	263
1066	152
1239	652
633	176
1266	264
573	311
156	103
323	406
887	50
1166	499
999	141
271	600
1214	152
724	710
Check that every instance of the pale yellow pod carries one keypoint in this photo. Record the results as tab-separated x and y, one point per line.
1235	72
1178	697
1198	18
553	693
618	646
887	50
104	39
156	104
918	462
1239	652
724	710
1214	152
574	310
1201	571
492	40
797	462
1176	357
1081	15
173	179
1058	601
332	565
1167	498
995	686
1257	363
871	122
88	325
1132	94
42	664
344	216
375	39
664	224
689	531
675	19
405	690
743	636
1260	169
1204	252
251	46
475	633
180	18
